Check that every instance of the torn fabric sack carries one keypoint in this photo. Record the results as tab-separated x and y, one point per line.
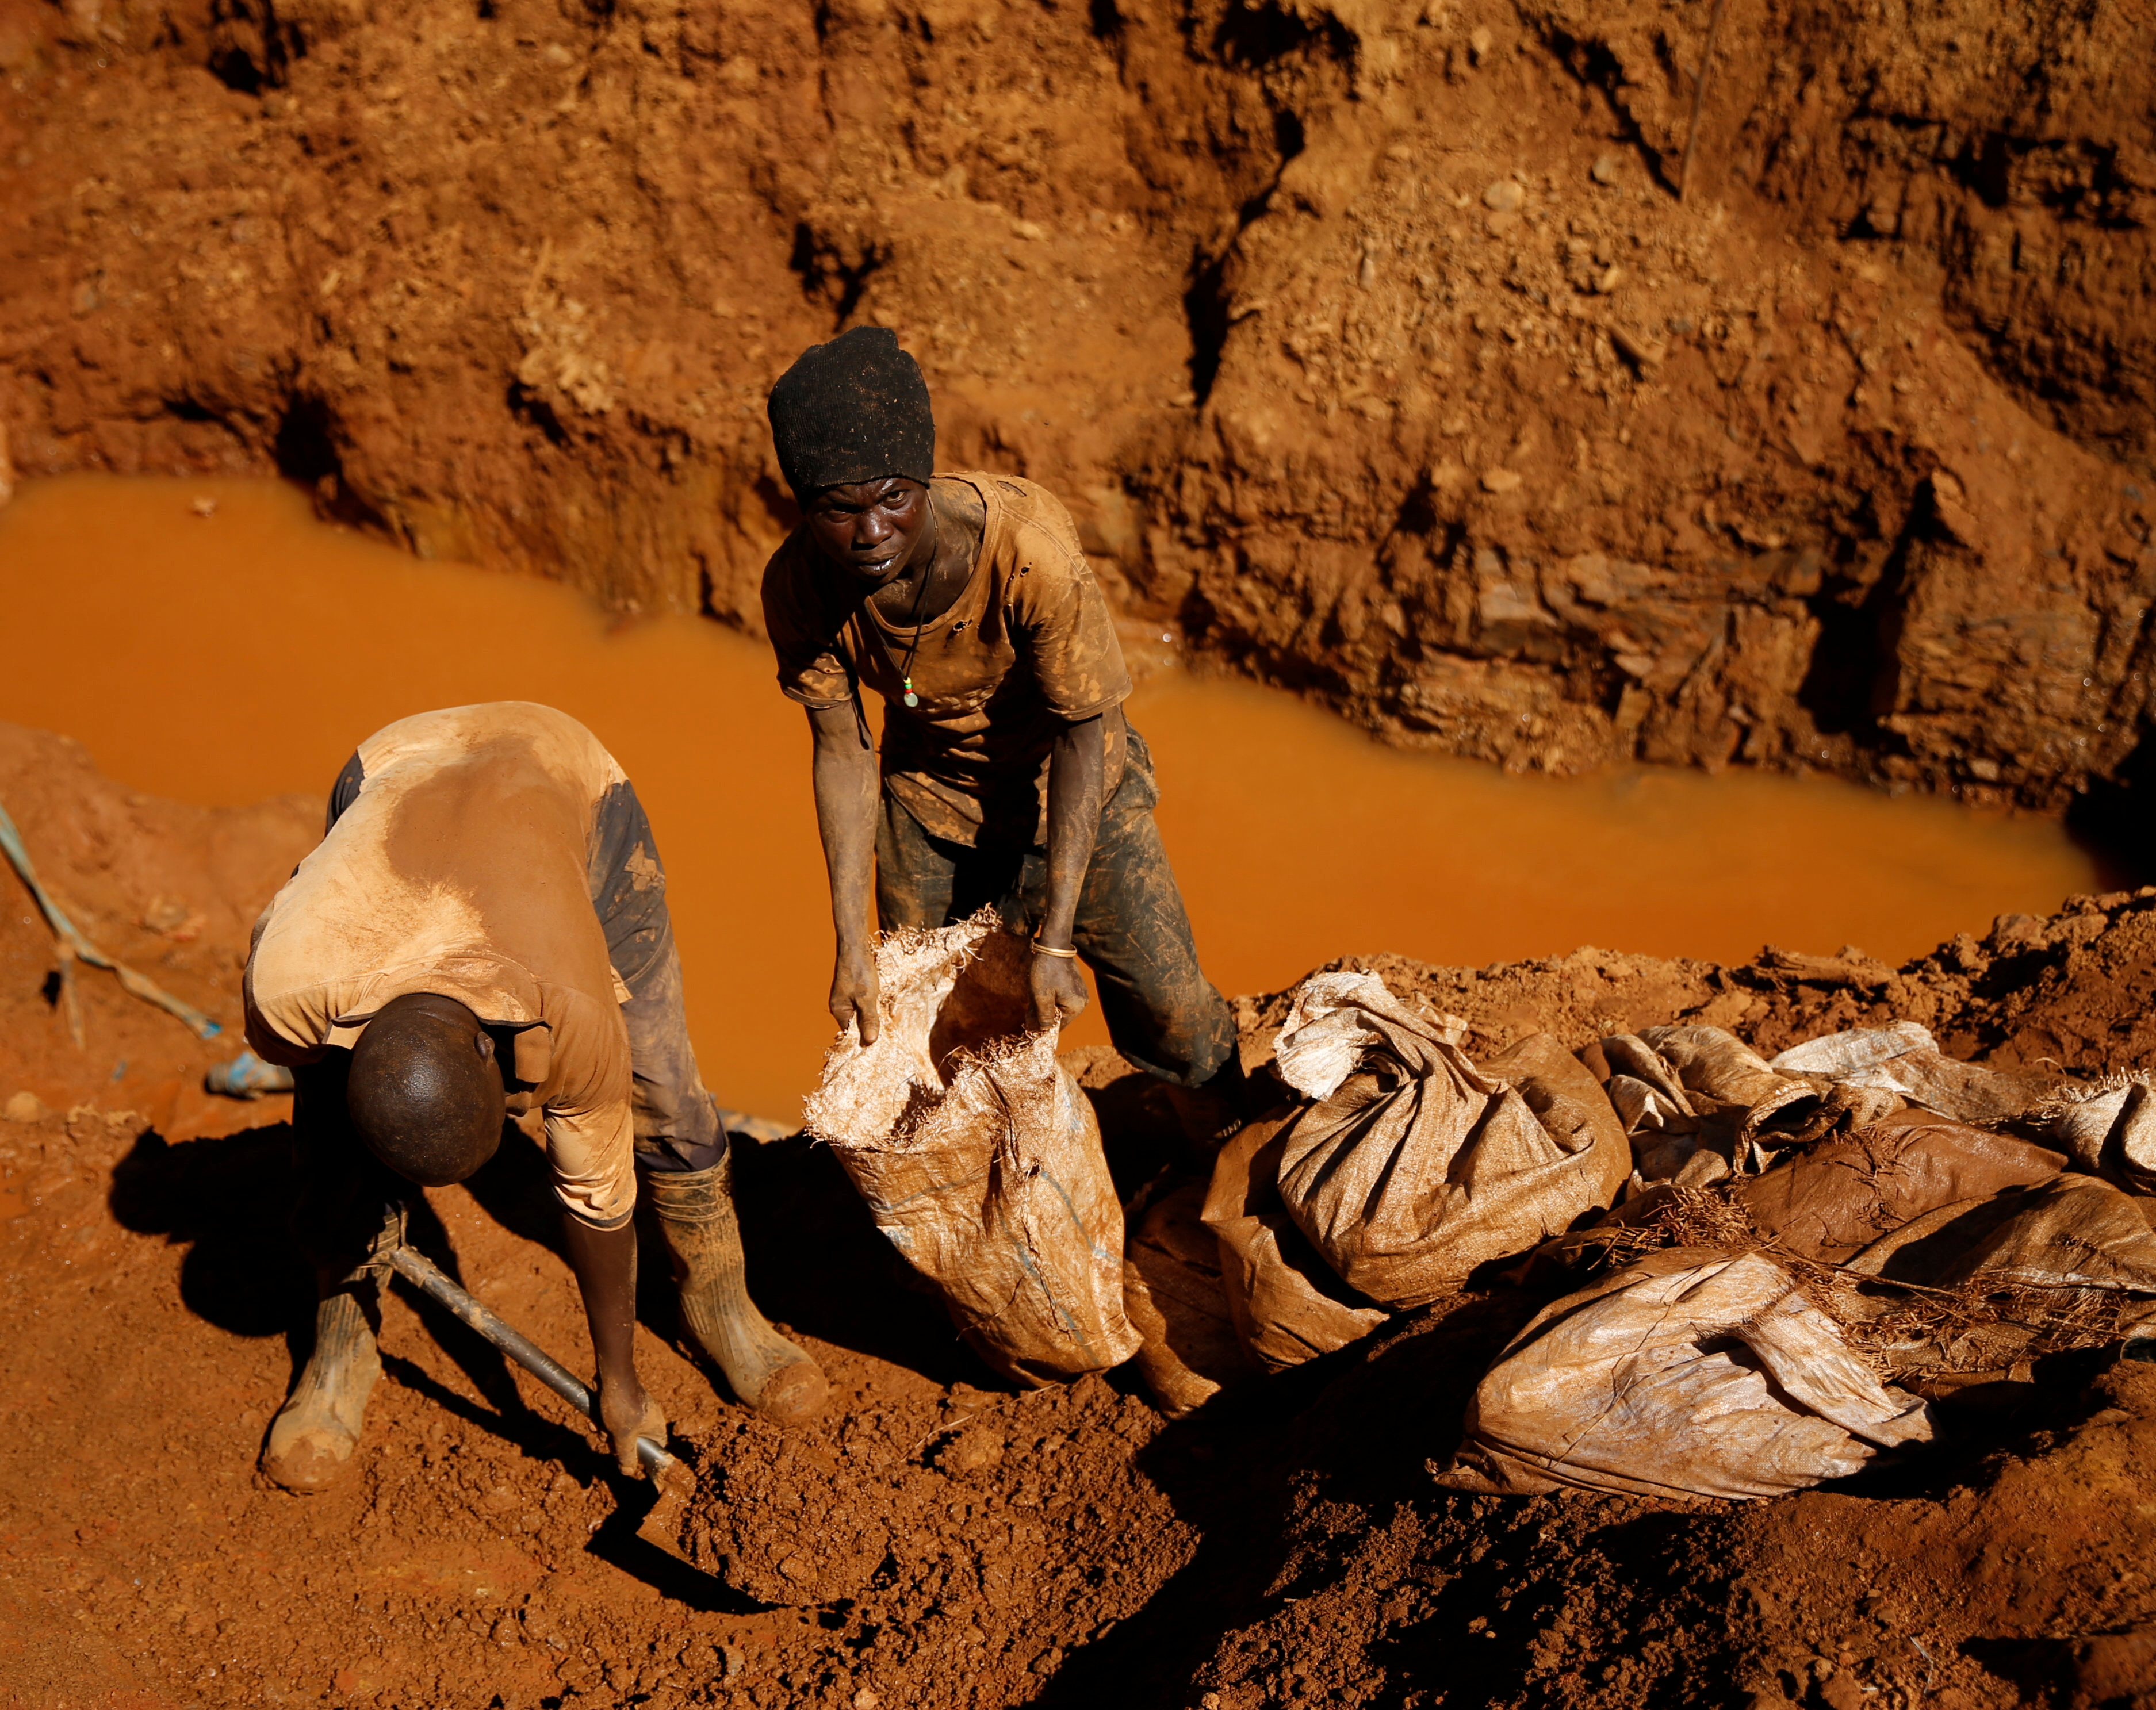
1690	1373
979	1156
1410	1168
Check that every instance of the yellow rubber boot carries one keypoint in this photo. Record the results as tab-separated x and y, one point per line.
766	1372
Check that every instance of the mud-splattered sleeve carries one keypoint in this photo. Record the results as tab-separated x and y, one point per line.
803	636
591	1134
1061	620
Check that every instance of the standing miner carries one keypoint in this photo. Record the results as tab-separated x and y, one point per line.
482	933
1009	775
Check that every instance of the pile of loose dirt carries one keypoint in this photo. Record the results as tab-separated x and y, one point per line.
964	1545
168	889
1369	340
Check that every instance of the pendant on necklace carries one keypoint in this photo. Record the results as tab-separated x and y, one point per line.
911	699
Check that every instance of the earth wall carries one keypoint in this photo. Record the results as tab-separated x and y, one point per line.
1413	355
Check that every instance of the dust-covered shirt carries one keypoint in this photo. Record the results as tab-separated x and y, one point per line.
1027	647
461	863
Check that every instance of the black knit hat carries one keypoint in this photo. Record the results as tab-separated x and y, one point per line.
856	409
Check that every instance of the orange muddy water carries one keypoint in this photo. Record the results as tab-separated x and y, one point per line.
222	658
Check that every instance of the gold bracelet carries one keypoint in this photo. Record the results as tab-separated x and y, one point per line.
1044	950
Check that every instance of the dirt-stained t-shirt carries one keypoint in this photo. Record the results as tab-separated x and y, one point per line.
1027	648
460	867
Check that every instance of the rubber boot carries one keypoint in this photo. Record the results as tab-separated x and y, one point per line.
766	1372
316	1432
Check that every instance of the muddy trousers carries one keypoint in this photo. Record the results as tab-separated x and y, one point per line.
677	1122
1131	929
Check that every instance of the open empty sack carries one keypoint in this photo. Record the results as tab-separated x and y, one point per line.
979	1156
1409	1167
1689	1372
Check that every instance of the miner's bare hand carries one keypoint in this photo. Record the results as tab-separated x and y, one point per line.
629	1412
855	994
1059	991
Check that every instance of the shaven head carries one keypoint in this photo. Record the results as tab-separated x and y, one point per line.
424	1091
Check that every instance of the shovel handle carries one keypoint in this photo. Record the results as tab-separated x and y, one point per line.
421	1272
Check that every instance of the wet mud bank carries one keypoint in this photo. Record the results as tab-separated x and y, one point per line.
1374	345
939	1540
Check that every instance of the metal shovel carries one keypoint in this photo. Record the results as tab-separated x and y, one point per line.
673	1481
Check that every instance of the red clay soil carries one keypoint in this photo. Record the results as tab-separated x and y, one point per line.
938	1540
1371	341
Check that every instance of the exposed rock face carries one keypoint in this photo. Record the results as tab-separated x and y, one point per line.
1371	344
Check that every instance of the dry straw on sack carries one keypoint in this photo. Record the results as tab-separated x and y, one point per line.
979	1156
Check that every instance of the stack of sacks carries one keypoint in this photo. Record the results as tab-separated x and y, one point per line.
1713	1372
1877	1170
1698	1104
1403	1170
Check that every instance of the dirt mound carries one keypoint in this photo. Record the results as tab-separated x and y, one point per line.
976	1536
1371	343
169	889
1988	1578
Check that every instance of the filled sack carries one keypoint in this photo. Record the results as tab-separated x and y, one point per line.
1173	1295
979	1156
1905	1061
1285	1301
1713	1063
2069	1232
1410	1167
1698	1104
2108	1129
2065	1263
1836	1199
1688	1373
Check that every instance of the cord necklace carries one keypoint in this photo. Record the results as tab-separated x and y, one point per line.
920	598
